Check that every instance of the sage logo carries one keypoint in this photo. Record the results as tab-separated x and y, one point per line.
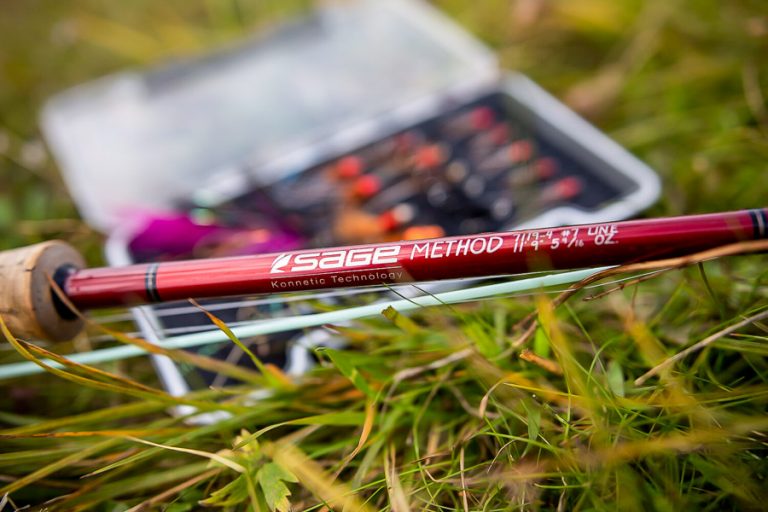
334	259
280	262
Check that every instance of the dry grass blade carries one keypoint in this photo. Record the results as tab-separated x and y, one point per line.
481	409
464	490
224	461
626	284
198	360
696	440
550	366
90	371
275	376
313	477
370	417
528	323
700	345
409	373
397	498
102	416
98	433
139	391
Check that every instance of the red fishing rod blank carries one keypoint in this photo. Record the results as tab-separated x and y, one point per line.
485	254
30	308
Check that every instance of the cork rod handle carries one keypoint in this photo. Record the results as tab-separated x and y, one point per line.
28	304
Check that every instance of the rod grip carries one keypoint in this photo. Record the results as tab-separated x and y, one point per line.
28	304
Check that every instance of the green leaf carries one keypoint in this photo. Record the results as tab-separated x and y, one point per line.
345	365
233	493
534	422
615	377
541	346
274	376
272	480
484	341
500	324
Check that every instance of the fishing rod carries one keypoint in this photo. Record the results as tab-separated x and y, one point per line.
31	308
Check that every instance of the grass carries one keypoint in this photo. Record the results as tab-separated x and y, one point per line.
443	409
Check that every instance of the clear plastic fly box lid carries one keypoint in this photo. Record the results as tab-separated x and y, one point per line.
205	129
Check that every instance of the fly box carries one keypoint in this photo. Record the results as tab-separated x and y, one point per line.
361	121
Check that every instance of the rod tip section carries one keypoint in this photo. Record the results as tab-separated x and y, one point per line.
28	304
